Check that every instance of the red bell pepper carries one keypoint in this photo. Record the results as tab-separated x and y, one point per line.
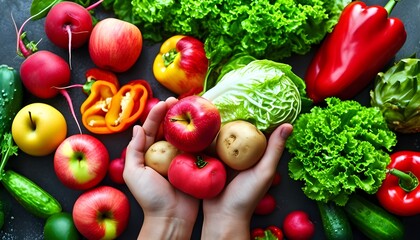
270	233
364	40
400	191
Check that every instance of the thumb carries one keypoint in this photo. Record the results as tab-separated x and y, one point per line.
136	149
275	148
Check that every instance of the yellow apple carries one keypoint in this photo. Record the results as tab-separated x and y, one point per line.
38	129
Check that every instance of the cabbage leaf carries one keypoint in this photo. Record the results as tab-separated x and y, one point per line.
263	92
339	149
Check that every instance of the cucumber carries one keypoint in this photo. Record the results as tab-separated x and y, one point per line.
31	196
372	220
335	222
10	98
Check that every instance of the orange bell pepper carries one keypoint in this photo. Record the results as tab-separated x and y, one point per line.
95	74
109	109
181	65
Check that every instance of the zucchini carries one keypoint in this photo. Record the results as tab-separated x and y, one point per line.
372	220
335	221
31	196
10	98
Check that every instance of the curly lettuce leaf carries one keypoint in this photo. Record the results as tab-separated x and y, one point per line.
339	149
262	28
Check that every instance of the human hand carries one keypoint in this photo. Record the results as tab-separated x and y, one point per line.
228	215
168	212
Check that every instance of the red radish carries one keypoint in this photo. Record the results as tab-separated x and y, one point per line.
68	25
276	180
43	73
116	168
297	225
266	205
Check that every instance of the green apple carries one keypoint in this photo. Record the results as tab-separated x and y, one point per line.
38	129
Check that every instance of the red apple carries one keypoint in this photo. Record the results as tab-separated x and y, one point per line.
101	213
115	44
81	161
116	168
297	225
191	124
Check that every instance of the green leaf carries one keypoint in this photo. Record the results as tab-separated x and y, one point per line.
40	8
8	149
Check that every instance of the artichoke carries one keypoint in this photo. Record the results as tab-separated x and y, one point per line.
396	93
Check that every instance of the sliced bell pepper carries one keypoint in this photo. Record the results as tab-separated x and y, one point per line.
270	233
400	191
364	40
95	74
181	65
109	110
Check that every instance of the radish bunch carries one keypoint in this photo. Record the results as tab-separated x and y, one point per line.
45	74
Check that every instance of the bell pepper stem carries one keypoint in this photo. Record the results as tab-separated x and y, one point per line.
407	181
169	57
390	5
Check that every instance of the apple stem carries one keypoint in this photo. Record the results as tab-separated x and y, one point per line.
33	125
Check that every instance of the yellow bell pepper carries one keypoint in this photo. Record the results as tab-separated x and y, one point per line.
181	65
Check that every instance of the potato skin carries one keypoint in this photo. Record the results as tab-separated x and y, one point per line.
159	156
240	144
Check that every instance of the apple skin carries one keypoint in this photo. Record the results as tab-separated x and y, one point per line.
101	213
115	44
191	124
81	161
38	129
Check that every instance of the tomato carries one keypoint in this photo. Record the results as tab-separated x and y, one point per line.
199	175
60	226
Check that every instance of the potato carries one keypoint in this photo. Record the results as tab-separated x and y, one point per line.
159	156
240	144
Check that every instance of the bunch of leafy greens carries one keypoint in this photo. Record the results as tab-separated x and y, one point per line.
339	149
262	28
263	92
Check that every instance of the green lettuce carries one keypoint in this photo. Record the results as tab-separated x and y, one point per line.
339	149
263	92
262	28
